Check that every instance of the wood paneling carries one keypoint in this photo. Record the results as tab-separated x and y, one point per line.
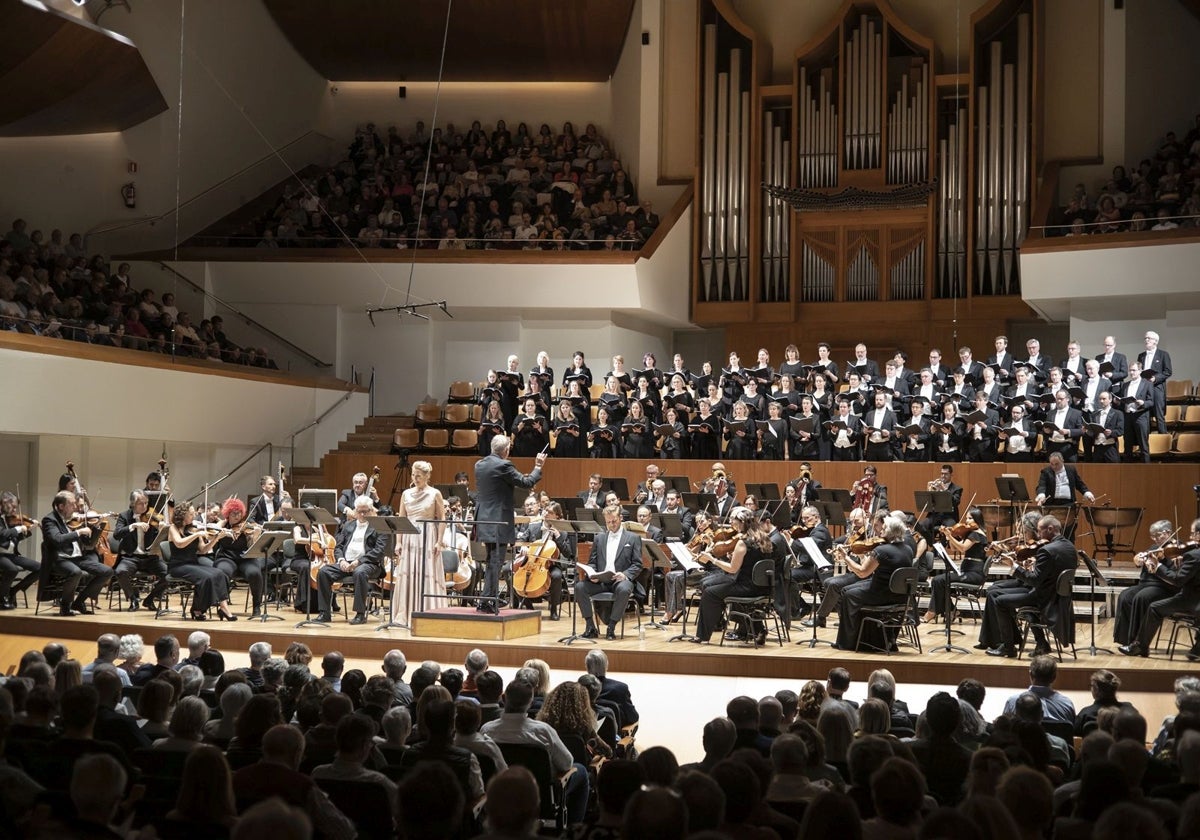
1164	490
493	40
61	75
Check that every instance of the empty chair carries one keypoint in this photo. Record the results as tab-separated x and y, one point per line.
461	392
435	439
1160	445
457	414
428	414
406	440
464	440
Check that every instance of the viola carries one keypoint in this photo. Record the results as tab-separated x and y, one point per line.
14	520
725	539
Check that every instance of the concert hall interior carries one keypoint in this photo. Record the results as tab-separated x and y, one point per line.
283	278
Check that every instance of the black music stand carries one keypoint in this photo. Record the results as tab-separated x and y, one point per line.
832	514
577	526
1011	488
616	484
683	635
267	544
461	490
934	501
699	501
324	499
679	483
814	553
948	562
837	494
658	560
393	526
671	525
1093	576
768	491
308	518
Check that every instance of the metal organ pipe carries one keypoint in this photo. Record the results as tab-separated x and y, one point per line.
708	284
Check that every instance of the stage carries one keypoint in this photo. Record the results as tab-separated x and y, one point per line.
655	654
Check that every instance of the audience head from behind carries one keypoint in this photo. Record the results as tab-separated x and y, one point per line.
743	711
354	738
837	683
705	801
397	725
452	680
422	678
283	744
743	791
973	691
206	789
1028	707
898	791
1029	798
718	738
831	816
616	782
395	664
659	766
97	787
332	665
490	687
430	782
988	765
475	663
77	711
943	714
259	714
518	695
514	805
789	755
334	707
275	819
655	813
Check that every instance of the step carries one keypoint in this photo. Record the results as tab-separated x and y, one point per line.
305	477
384	438
365	446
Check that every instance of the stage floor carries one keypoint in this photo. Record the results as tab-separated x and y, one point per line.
654	654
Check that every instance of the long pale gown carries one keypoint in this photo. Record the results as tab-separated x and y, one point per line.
414	570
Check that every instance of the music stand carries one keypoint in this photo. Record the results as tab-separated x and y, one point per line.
391	526
616	484
268	543
671	524
934	501
948	562
1011	488
1093	576
461	490
820	561
837	494
311	517
658	560
768	491
677	550
324	499
699	501
576	526
679	483
832	514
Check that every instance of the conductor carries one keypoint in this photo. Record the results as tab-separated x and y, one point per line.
495	476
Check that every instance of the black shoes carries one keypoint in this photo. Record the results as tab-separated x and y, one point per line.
488	609
814	621
1006	651
325	617
611	633
82	608
149	604
553	615
590	633
1135	649
67	611
1193	656
225	615
359	618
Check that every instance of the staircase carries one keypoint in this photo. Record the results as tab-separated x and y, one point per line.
374	434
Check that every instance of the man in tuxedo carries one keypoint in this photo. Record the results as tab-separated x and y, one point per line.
1156	367
65	551
980	437
592	497
867	369
1118	361
1072	366
805	570
1053	558
806	486
726	500
1137	398
1002	360
687	519
358	487
971	368
653	532
267	504
882	421
915	448
495	476
1039	364
1067	422
928	526
358	554
1058	483
941	373
844	446
1185	576
644	488
617	551
1104	446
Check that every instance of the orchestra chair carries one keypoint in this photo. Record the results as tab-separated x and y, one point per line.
1188	622
900	617
177	586
1190	418
972	593
142	582
1187	446
551	790
1029	618
427	414
406	440
606	598
461	392
1160	446
435	440
457	415
747	609
366	804
50	582
464	440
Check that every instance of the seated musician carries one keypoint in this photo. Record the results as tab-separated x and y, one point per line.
13	529
211	587
1183	575
358	487
357	555
267	503
856	530
229	556
70	556
618	552
805	571
675	583
971	548
1055	554
532	534
1134	601
137	531
944	483
751	546
874	586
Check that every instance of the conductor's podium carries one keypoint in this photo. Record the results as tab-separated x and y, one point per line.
465	623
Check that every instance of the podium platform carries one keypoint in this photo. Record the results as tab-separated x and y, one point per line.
466	623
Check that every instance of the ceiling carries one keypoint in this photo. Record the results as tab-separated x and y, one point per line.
62	75
492	40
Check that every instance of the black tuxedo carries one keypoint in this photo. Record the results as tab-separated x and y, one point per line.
495	478
1114	430
1046	485
1073	377
370	565
1072	431
131	561
882	450
1002	365
1051	560
1137	418
915	448
58	542
13	563
1120	367
973	371
871	369
258	509
1160	366
983	448
854	436
627	560
1187	578
687	521
598	501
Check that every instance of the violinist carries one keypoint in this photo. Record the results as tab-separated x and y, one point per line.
1022	557
136	533
751	545
805	570
675	585
229	555
188	542
874	573
1055	555
1183	574
617	551
358	555
264	507
967	540
856	531
65	543
1134	601
13	529
532	534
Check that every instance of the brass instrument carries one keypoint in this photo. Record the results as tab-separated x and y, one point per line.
863	491
938	485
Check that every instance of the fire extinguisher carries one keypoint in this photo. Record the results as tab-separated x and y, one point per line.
129	193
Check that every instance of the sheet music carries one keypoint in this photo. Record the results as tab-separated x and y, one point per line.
684	557
940	550
819	559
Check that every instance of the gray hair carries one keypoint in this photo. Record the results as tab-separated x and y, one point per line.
260	652
189	717
131	646
500	445
789	752
893	528
97	785
193	679
273	669
397	724
596	663
234	698
476	662
1162	526
198	641
395	663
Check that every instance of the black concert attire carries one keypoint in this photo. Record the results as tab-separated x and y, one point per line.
606	440
651	404
928	526
1160	367
368	569
805	570
12	563
264	508
617	405
844	445
945	445
527	439
1060	495
741	584
228	559
704	431
873	591
567	445
1020	438
532	532
675	447
1137	417
980	444
740	440
495	478
1070	422
775	443
211	586
65	553
1134	603
637	441
1113	422
488	429
683	403
626	558
883	419
808	449
972	566
915	448
584	374
1186	578
134	557
511	383
756	405
999	627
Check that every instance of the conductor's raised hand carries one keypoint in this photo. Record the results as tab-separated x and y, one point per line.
540	459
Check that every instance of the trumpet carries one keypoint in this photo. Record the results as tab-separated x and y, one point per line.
938	485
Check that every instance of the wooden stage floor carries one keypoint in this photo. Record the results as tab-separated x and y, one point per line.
652	655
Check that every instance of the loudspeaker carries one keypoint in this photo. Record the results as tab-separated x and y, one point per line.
402	91
645	39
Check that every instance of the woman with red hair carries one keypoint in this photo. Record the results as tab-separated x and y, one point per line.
228	555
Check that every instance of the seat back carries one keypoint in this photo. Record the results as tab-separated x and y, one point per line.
465	439
763	574
1066	583
536	759
428	414
366	804
903	581
461	391
1066	731
457	414
1188	443
406	439
164	548
435	439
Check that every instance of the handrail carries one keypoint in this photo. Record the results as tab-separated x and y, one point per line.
667	222
210	485
249	321
346	396
155	219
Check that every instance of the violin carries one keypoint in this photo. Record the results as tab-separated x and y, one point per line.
1026	553
959	530
532	580
799	531
90	519
15	520
725	539
864	546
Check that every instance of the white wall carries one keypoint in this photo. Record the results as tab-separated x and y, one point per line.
1162	67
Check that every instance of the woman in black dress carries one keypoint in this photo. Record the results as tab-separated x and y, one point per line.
490	425
569	437
773	440
752	546
605	436
187	544
874	588
972	549
637	441
740	438
613	399
530	431
674	444
705	428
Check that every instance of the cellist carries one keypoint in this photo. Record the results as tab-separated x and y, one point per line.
540	553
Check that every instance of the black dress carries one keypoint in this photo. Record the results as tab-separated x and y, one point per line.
873	591
210	585
606	441
568	445
712	601
527	439
635	443
705	442
972	572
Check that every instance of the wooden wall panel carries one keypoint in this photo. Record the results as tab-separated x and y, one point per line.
1164	490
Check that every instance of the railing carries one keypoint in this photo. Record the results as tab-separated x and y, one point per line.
244	317
406	243
316	422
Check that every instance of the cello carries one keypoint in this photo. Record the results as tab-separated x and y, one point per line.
532	580
320	549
